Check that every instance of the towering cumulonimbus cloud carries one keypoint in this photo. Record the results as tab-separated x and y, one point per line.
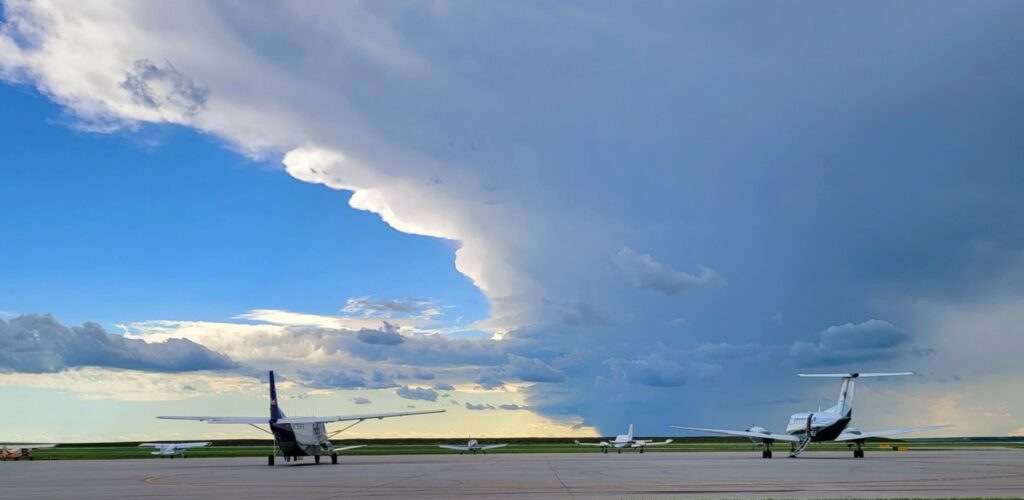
817	163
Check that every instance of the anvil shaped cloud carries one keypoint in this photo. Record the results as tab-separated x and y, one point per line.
833	164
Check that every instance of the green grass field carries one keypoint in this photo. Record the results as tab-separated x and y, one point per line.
255	448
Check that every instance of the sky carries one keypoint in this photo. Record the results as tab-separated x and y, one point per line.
546	218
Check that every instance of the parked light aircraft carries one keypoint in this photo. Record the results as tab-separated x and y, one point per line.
832	424
173	449
473	446
625	441
297	437
18	451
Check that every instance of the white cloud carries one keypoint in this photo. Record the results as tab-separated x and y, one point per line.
132	385
544	157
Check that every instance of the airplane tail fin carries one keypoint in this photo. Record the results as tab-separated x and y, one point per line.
630	433
844	406
275	411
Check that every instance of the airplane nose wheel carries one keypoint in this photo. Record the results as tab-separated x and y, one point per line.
334	458
270	460
316	459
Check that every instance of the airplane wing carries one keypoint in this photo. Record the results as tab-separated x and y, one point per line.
758	435
651	443
299	420
349	418
184	446
191	445
493	446
849	435
223	420
453	447
602	443
16	446
346	448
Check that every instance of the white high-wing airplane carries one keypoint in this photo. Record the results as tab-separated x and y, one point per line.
17	451
832	424
625	441
473	446
297	437
173	449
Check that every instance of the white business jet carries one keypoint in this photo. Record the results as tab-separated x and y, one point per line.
473	446
832	424
297	437
625	441
173	449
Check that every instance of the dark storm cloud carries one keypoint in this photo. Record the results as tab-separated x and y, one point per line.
39	343
532	370
872	340
645	272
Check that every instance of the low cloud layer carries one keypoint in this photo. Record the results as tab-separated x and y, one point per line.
40	343
417	393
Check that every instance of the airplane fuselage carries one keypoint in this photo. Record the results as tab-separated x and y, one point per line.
296	440
824	426
14	453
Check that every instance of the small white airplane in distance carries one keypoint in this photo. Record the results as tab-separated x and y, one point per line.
625	441
473	446
173	449
297	437
17	451
832	424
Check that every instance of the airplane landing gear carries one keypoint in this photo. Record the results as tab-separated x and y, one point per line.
619	451
270	460
858	452
334	458
641	449
767	451
604	450
316	459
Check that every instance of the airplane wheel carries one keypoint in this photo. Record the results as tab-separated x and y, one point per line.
334	458
270	460
858	453
618	451
769	453
641	450
604	450
316	459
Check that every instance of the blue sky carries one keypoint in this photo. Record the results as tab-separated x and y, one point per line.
584	215
164	223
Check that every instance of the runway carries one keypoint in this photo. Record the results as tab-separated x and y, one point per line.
974	473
